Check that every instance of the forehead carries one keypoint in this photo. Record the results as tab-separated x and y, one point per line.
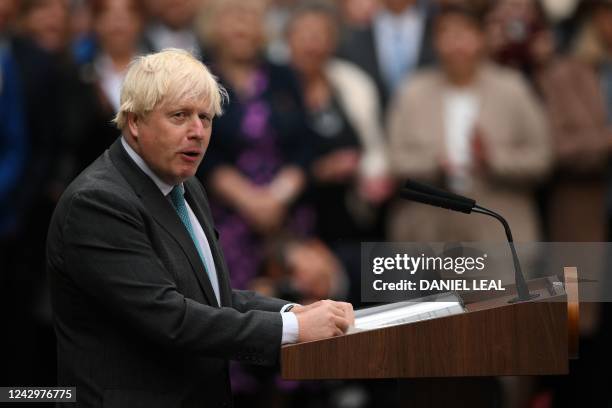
314	17
185	103
456	21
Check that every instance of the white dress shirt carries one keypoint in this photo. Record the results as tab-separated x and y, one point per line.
461	109
290	323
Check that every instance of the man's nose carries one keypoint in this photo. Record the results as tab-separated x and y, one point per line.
196	128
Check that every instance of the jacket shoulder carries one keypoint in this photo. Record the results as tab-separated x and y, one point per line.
99	191
422	83
506	80
101	181
101	175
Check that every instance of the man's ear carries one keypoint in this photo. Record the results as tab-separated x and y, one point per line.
133	122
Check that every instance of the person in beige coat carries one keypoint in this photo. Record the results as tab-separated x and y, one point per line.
473	128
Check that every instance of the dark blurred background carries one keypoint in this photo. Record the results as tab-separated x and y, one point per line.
507	101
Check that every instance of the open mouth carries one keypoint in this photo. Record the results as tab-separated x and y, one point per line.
191	156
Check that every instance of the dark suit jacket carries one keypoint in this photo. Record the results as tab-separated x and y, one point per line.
136	318
358	46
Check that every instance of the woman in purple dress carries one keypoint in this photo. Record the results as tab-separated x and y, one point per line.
254	170
259	148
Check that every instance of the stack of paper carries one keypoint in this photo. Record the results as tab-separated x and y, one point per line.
393	314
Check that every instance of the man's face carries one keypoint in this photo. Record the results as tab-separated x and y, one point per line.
398	6
46	23
176	14
172	139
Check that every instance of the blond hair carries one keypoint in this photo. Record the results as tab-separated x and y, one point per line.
167	77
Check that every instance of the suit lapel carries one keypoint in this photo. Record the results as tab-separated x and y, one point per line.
205	222
163	212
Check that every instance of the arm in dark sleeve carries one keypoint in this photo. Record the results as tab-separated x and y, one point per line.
116	266
245	300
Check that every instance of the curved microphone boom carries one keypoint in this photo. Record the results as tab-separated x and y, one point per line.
429	195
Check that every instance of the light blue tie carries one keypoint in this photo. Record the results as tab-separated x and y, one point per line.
178	200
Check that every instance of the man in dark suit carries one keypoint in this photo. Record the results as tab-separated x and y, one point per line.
144	312
393	46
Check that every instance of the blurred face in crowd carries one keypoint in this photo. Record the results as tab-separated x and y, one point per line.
118	24
312	40
359	12
281	3
517	34
542	47
511	21
46	21
398	6
459	43
523	9
81	19
238	32
176	14
7	12
173	138
603	25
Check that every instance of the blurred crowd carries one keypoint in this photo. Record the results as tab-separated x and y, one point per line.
332	104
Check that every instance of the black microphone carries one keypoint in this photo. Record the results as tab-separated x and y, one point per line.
425	189
437	201
440	198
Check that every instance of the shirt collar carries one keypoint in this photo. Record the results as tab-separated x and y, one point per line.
409	13
164	187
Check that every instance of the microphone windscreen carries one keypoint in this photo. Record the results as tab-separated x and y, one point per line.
443	202
425	189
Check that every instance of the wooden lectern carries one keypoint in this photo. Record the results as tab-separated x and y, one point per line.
492	338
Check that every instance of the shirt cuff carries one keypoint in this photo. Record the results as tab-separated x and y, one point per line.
290	328
284	308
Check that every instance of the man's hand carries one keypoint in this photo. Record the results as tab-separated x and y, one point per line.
323	319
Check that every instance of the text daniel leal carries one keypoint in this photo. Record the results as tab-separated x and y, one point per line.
441	284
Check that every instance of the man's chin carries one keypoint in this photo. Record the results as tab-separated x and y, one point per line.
186	175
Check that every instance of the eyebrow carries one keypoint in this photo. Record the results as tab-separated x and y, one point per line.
180	108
